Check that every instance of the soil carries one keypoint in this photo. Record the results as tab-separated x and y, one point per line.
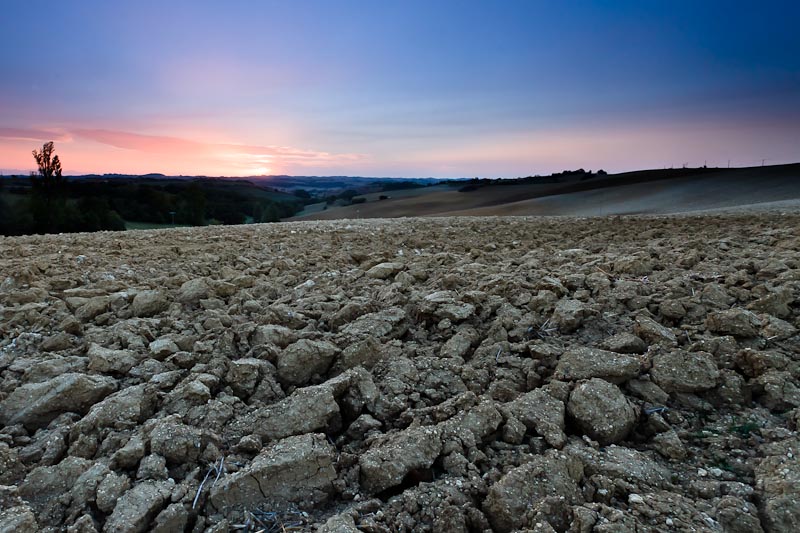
450	374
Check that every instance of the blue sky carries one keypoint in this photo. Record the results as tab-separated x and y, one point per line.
398	88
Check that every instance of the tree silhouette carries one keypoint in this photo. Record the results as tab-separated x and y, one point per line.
49	165
48	204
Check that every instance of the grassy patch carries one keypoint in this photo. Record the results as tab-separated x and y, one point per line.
151	225
745	429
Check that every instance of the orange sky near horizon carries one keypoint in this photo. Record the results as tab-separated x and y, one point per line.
403	89
621	148
84	151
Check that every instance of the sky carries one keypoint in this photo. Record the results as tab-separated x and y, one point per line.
410	88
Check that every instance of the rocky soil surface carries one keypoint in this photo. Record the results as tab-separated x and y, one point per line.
457	374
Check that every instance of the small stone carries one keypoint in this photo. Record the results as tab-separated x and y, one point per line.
173	518
602	411
308	409
296	470
362	426
541	412
110	489
340	523
635	499
384	325
669	445
512	502
11	468
163	348
736	322
648	391
149	303
57	342
777	390
280	336
776	303
92	308
137	508
249	444
568	315
680	371
456	346
152	467
129	455
513	431
36	404
384	270
109	361
653	332
194	290
71	325
177	442
585	363
302	360
18	519
625	343
388	461
672	309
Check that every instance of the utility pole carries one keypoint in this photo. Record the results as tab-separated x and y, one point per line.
762	162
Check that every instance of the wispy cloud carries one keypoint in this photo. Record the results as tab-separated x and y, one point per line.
105	150
27	134
142	143
240	156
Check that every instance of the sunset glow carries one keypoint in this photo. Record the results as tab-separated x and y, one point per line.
413	89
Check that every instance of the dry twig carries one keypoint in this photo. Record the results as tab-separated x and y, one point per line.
216	468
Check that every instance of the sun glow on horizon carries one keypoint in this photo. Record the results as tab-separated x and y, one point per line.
379	90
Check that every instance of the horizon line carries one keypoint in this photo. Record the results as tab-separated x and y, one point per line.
13	173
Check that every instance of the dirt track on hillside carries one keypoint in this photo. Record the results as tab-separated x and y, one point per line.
455	374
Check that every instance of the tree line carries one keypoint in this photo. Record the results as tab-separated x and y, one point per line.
47	202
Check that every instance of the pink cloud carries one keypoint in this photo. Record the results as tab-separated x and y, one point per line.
87	150
142	143
238	156
25	134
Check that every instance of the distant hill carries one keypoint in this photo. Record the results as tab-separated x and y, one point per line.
336	184
319	184
583	194
117	201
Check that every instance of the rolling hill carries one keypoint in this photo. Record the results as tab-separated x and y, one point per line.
642	192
